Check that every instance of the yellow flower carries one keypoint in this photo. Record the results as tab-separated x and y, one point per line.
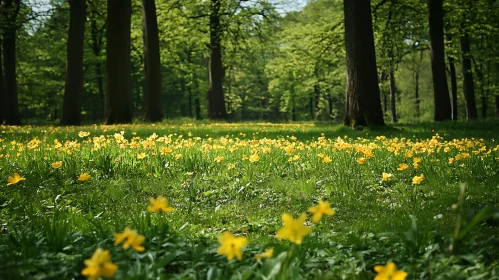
417	160
219	159
166	150
178	156
56	164
84	177
254	158
415	165
389	272
323	208
387	176
451	160
293	230
361	160
14	180
130	238
417	179
403	166
326	159
230	166
159	204
99	265
141	156
82	134
267	254
189	173
231	246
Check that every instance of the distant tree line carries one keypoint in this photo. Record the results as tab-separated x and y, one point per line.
359	61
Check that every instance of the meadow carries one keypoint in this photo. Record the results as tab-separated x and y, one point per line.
250	201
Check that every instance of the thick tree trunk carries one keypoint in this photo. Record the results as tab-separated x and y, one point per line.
118	95
73	90
443	109
2	102
216	99
468	83
152	68
453	82
363	104
10	104
393	92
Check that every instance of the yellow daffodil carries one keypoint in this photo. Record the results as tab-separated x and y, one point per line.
130	238
267	254
14	180
323	208
166	150
231	246
389	272
417	179
293	230
361	160
160	204
141	155
402	166
56	164
99	265
219	159
254	158
178	156
84	177
82	134
230	166
326	159
386	177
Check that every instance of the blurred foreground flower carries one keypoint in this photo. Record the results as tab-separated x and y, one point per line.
131	239
99	265
14	180
293	230
323	208
159	204
231	246
389	272
84	177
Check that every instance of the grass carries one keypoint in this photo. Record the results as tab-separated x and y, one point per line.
52	222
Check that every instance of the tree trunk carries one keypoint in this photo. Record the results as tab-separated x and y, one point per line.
393	92
96	35
330	105
118	95
317	95
468	83
73	90
497	106
453	82
2	102
416	94
152	68
216	100
363	104
443	109
198	108
11	108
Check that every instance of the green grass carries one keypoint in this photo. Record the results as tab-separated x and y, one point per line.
51	222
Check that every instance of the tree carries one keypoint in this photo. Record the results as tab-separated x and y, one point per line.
10	9
468	84
442	105
73	90
363	104
152	63
118	107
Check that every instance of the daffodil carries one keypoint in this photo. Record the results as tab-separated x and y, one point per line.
323	208
402	166
14	180
389	272
84	177
99	265
361	160
56	164
293	230
219	159
254	158
417	179
160	204
230	166
130	238
386	177
141	155
231	246
326	159
267	254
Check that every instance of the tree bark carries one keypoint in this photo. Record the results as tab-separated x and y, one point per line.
393	92
468	83
97	35
363	104
216	99
10	104
73	90
453	82
443	109
118	92
152	63
2	102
